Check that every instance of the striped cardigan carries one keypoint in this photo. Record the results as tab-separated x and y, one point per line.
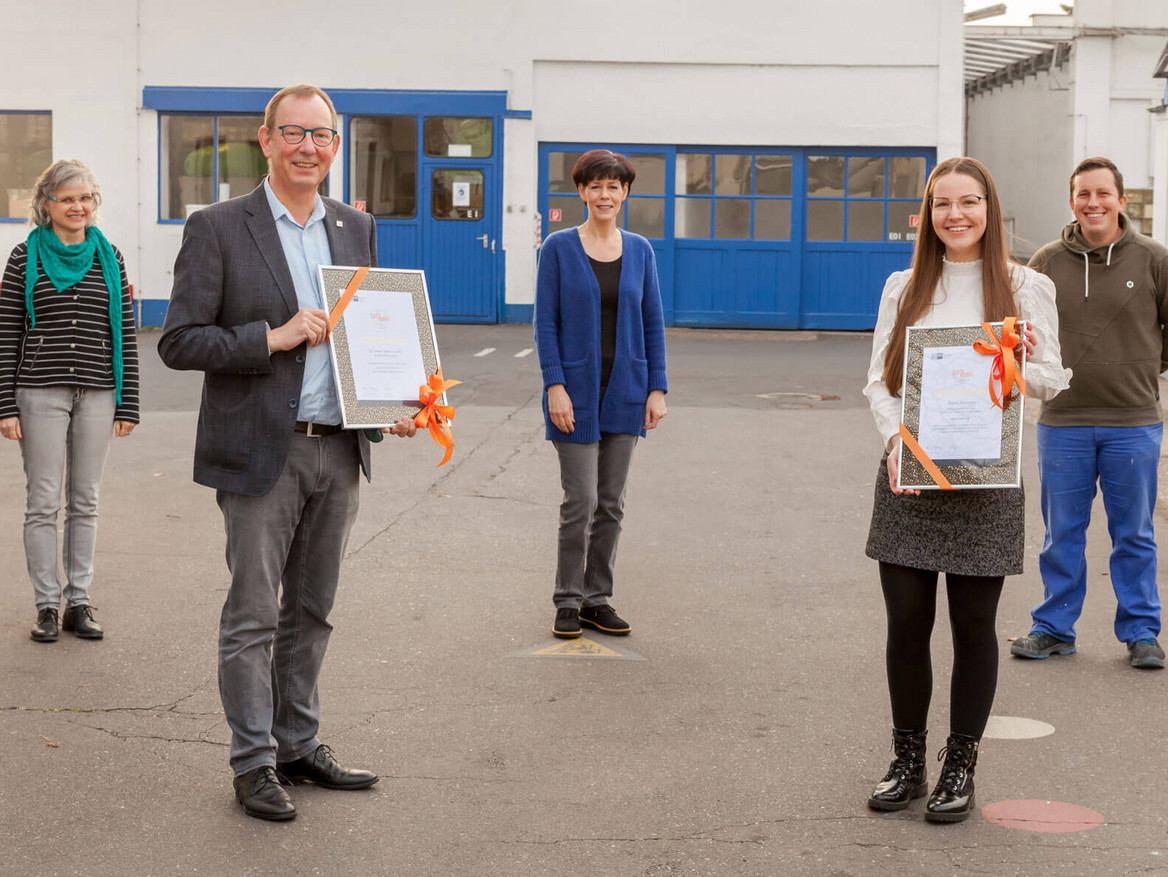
71	344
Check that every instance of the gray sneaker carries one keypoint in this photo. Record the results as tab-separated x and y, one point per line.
1146	653
1041	645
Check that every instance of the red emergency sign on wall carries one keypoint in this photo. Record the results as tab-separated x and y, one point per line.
555	215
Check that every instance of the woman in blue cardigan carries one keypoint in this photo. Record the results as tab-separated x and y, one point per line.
601	340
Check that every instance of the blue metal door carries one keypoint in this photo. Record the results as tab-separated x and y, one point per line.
461	251
433	183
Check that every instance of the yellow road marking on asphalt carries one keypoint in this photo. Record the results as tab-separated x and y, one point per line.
579	648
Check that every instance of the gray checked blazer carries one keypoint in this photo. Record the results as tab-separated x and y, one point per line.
230	279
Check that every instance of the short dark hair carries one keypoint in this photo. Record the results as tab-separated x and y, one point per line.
601	164
301	90
1097	164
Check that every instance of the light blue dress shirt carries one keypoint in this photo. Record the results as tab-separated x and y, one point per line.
306	248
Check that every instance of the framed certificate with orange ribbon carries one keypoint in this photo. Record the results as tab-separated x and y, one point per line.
383	344
961	418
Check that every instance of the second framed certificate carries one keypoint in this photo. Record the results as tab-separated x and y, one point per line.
949	410
383	343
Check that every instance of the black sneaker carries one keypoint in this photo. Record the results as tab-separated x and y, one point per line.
1146	653
1041	645
603	618
567	623
46	630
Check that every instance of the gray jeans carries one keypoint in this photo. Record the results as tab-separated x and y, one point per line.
593	477
65	438
272	640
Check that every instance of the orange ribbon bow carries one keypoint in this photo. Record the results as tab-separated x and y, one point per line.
1004	372
436	417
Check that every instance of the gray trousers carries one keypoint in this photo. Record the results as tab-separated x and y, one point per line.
66	436
593	477
272	639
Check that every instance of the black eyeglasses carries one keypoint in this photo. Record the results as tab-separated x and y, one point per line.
294	134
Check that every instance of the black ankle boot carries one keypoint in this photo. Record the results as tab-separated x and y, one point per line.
905	779
952	799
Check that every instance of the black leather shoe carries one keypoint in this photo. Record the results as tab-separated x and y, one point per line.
46	626
567	624
79	620
259	794
320	767
905	780
604	618
952	799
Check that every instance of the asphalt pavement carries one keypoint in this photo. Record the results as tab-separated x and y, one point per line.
737	731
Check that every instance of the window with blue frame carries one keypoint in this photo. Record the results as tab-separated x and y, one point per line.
206	158
26	149
742	195
644	210
864	197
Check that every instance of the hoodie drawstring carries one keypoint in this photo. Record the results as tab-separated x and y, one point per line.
1087	269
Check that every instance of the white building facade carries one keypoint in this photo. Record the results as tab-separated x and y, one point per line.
781	148
1088	94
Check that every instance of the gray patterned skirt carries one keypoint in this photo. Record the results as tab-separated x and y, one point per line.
968	532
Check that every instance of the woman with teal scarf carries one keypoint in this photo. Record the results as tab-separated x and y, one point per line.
68	381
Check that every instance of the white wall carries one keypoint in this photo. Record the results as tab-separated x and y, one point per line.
1033	132
1022	132
747	72
1160	182
77	61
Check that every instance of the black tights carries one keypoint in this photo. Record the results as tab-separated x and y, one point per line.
910	598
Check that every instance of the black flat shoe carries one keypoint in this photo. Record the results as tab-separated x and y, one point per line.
567	624
46	630
320	767
79	621
260	795
604	619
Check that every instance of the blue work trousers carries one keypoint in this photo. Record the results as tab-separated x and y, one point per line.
1124	461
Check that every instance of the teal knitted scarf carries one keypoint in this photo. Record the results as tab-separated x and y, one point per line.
65	265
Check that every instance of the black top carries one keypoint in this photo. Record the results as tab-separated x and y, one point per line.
608	278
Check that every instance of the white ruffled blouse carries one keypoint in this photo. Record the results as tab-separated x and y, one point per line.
958	302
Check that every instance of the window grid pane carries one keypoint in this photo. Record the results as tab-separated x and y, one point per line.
383	154
691	218
242	164
456	194
458	138
26	149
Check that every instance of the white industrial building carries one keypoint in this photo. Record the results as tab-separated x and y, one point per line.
1041	98
781	147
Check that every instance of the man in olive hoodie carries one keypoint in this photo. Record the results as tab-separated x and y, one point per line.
1112	292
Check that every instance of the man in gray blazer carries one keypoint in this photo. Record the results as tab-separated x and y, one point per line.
247	311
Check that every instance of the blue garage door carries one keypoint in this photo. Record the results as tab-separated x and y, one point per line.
761	237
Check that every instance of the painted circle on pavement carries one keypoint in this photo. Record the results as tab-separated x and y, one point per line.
1051	817
1016	728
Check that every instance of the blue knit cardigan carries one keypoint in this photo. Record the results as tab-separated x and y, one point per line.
567	336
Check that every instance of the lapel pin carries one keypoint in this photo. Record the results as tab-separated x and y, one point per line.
340	224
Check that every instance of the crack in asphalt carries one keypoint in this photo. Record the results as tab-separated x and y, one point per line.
120	736
455	467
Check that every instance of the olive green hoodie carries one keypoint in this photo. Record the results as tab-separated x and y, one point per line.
1112	309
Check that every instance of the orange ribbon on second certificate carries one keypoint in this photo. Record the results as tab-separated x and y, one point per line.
346	297
1004	371
925	460
437	417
